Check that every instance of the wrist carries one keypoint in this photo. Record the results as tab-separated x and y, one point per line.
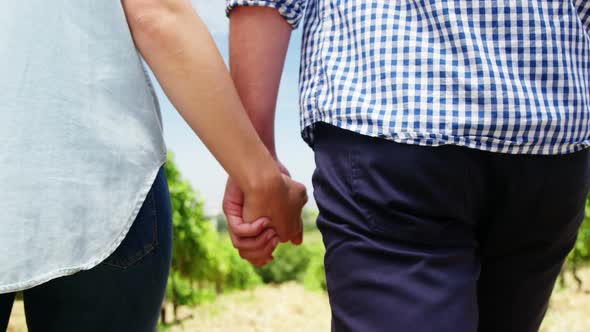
263	179
266	131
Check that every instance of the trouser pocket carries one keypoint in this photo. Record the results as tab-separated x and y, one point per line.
142	237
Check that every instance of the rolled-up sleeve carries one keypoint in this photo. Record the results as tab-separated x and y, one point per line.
291	10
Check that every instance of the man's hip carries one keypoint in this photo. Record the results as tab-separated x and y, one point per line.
438	238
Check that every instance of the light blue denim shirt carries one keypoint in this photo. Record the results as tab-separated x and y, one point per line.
80	133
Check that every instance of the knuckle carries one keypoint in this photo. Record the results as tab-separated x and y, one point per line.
257	243
247	245
238	231
231	226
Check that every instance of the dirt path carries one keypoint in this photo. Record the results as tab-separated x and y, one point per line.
569	310
285	308
17	319
295	309
290	308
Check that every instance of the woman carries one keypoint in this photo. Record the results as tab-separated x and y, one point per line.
86	223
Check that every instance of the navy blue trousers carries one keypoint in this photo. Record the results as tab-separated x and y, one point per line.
124	293
439	239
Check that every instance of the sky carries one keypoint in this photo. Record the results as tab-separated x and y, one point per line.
196	163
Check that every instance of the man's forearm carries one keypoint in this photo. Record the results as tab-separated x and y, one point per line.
259	38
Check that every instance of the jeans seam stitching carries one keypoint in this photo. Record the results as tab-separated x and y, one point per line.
147	249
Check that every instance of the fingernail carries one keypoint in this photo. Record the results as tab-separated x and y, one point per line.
270	235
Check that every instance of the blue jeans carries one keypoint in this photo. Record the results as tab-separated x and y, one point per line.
123	293
424	239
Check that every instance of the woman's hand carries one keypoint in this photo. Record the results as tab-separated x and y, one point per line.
254	241
257	241
281	200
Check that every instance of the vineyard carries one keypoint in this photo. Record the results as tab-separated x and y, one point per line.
205	264
290	307
211	288
227	292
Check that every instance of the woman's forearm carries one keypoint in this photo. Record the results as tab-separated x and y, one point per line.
178	48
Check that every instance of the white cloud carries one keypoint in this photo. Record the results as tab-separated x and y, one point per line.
213	13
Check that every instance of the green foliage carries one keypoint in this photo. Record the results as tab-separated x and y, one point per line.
580	255
303	263
581	252
186	293
309	220
190	230
290	264
582	249
221	223
231	271
240	274
204	263
315	275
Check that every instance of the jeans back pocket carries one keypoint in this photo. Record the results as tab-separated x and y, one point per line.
141	239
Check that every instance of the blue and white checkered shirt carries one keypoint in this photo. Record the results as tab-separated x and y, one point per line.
507	76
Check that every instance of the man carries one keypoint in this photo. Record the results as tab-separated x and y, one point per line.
450	140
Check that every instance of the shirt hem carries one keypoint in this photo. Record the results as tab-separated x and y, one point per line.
141	196
430	139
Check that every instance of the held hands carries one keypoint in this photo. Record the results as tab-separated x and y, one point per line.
277	204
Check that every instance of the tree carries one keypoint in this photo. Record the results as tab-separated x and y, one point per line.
221	223
203	262
190	233
580	255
